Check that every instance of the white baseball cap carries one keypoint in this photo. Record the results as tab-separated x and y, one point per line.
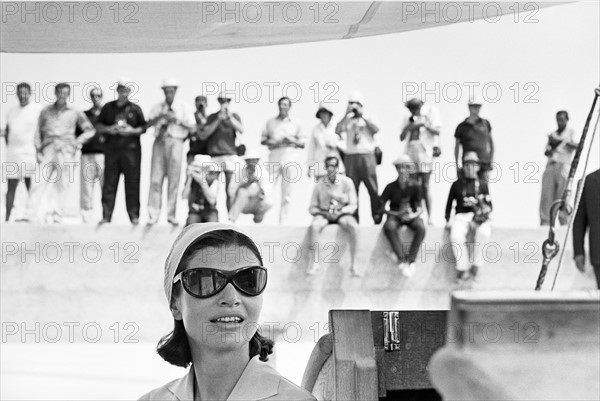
475	101
169	82
357	97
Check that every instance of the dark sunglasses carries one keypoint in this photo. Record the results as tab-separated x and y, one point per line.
204	282
96	95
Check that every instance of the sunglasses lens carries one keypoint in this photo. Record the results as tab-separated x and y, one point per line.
203	283
251	281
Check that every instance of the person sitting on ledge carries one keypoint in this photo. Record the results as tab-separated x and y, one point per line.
216	311
405	199
333	202
473	208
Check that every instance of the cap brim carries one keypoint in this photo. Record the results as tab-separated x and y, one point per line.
323	109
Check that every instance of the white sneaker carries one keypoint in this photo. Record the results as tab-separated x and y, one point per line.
412	268
313	269
403	267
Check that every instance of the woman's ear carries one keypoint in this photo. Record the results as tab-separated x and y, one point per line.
176	308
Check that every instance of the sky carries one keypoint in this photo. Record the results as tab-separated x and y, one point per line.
528	70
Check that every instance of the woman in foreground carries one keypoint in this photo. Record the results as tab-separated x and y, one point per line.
214	281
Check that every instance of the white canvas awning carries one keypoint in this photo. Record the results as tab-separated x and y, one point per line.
135	27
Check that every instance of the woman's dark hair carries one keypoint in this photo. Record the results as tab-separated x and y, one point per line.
174	347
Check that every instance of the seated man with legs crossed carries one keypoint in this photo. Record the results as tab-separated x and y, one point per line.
405	199
333	202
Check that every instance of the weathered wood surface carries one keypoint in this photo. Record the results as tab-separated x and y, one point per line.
520	346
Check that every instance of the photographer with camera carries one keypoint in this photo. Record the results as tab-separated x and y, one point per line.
470	222
358	131
333	202
559	149
220	132
404	195
201	190
173	121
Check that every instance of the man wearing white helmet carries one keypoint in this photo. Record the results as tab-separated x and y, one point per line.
250	195
172	121
405	199
474	134
358	130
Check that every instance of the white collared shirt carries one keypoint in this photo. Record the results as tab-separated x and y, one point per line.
182	112
277	129
358	137
259	381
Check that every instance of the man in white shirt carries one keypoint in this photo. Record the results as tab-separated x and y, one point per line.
559	150
173	121
57	147
421	132
283	136
359	129
20	132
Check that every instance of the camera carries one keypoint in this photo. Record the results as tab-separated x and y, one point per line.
333	206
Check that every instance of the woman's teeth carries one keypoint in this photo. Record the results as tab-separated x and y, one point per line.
229	319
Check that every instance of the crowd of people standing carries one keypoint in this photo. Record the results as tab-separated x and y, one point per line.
339	156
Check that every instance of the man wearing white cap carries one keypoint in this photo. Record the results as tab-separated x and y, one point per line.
323	141
250	195
122	122
219	132
283	136
359	129
474	134
469	227
57	147
421	131
201	190
405	199
173	121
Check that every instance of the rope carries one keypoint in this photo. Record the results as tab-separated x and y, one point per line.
550	246
576	204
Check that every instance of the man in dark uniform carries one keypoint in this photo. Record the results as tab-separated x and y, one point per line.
122	122
588	215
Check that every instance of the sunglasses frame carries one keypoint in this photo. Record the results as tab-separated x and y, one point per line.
228	274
